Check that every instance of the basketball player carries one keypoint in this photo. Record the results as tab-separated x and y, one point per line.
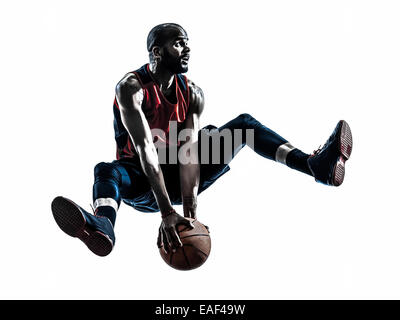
151	99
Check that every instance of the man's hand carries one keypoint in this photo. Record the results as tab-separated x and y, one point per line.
189	206
168	237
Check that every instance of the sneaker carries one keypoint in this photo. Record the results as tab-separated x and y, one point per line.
327	163
96	232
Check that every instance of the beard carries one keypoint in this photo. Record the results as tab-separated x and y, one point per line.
173	64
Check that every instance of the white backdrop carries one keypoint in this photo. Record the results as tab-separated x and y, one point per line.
297	66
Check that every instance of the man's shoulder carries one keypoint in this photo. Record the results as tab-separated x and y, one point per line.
195	91
196	97
129	82
191	84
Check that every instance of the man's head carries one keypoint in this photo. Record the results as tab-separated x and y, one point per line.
167	46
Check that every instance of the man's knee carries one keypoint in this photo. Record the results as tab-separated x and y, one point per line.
245	118
104	170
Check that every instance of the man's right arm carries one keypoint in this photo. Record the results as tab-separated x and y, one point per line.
130	97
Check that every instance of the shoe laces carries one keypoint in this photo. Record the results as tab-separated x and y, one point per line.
315	152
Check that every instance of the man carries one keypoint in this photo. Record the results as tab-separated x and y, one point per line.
153	104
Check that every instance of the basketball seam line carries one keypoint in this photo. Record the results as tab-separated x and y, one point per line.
187	260
190	245
193	235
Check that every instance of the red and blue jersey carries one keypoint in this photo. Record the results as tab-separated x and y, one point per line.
156	108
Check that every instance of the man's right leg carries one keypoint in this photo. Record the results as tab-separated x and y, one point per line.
96	231
106	190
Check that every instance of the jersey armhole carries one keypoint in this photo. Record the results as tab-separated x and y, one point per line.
187	91
138	78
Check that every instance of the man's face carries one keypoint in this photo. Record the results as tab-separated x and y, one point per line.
175	53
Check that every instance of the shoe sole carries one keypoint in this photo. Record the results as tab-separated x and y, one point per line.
72	221
345	148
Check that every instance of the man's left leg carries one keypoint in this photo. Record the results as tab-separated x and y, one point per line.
326	165
265	142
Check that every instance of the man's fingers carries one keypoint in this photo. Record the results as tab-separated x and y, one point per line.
167	237
176	241
169	234
166	243
192	214
186	212
164	246
185	222
159	239
189	224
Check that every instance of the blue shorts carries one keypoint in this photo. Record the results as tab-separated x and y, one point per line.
135	190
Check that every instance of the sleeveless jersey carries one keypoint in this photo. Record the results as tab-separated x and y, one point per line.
157	110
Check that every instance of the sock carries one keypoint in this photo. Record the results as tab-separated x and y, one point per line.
107	211
297	160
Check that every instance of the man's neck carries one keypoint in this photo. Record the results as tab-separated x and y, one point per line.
163	77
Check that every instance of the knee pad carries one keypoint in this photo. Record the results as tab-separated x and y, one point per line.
106	171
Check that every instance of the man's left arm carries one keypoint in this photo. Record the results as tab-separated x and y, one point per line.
189	168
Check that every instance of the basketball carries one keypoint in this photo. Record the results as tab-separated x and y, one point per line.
196	247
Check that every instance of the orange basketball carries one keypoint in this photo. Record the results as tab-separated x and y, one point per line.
196	247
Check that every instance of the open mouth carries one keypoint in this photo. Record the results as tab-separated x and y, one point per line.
185	59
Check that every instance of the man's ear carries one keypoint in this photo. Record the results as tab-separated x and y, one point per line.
156	52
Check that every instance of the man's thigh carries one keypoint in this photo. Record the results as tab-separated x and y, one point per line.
134	182
212	166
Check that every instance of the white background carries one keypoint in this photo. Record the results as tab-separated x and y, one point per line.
297	66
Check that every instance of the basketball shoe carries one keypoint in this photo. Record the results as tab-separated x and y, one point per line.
327	163
96	232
